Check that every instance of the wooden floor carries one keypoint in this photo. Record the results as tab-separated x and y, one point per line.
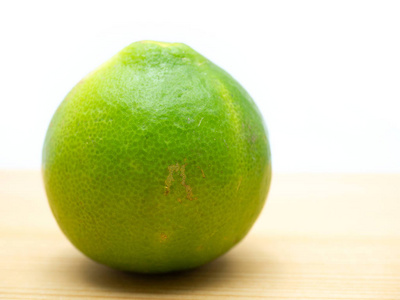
320	236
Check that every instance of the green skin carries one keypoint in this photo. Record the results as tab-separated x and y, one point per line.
157	161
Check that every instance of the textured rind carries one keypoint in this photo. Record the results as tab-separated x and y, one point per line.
157	161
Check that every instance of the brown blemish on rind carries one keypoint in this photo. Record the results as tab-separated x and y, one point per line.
202	172
180	169
170	178
163	237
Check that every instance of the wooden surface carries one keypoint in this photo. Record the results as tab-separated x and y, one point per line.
320	236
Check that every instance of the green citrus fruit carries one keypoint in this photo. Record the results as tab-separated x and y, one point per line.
156	161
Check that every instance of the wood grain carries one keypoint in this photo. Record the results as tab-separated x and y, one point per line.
321	236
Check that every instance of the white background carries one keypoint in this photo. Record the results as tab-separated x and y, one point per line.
325	74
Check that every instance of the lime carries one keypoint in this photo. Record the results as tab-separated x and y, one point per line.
157	161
